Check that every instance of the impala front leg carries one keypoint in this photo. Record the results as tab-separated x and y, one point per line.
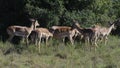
106	40
39	42
26	39
71	40
46	41
10	38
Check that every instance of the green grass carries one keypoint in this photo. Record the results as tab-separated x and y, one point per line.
58	55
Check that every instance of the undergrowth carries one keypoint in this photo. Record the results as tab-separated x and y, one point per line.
59	55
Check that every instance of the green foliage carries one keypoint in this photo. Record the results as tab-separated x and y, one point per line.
60	12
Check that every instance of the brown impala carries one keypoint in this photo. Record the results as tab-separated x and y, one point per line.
22	31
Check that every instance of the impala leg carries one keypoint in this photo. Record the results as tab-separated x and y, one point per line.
71	40
96	44
85	38
96	38
39	43
89	43
63	40
32	40
26	39
106	40
101	38
36	39
46	41
86	42
95	41
10	38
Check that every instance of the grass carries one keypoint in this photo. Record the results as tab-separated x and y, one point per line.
61	56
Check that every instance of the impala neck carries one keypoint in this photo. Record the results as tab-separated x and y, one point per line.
32	26
110	28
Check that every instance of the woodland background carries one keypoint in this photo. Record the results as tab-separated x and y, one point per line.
57	12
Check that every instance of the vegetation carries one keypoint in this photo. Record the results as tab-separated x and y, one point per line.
61	56
59	12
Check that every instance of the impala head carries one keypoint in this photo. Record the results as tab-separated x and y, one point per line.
112	24
36	23
75	23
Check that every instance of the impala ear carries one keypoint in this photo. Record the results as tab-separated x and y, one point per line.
76	23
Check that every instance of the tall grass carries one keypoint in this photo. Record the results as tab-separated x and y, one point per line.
59	55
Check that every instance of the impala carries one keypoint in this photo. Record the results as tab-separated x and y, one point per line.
38	34
104	32
88	34
61	28
22	31
61	35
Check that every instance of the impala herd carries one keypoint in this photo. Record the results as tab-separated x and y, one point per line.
89	35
